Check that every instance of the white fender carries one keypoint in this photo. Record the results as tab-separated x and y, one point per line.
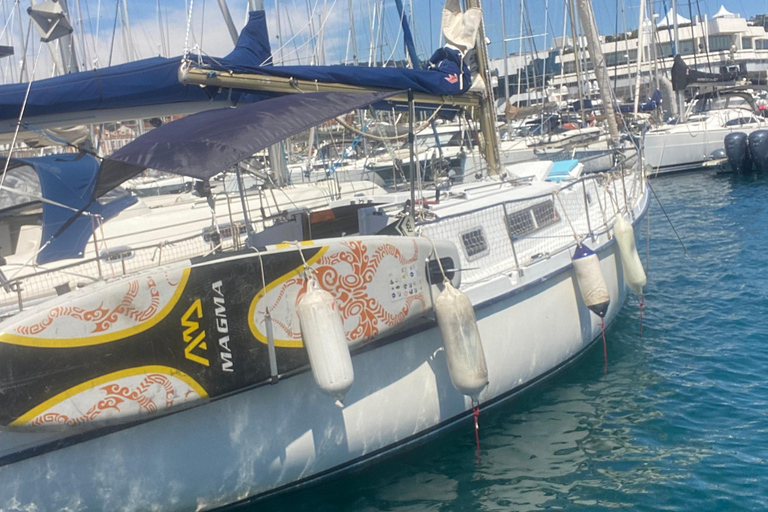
589	277
634	275
323	334
461	339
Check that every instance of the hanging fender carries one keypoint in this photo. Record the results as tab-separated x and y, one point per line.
589	277
323	335
634	275
461	338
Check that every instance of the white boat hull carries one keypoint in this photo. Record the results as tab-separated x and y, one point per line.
274	437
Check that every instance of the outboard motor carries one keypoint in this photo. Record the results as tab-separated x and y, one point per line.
758	149
737	151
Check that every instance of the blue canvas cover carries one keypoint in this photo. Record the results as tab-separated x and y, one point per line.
204	144
447	74
68	180
152	81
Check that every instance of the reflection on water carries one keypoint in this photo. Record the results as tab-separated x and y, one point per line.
678	423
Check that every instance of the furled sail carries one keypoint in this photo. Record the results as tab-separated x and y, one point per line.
683	76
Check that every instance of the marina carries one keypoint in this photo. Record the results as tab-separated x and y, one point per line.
240	282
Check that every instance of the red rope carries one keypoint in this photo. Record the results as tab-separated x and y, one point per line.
605	348
642	306
476	414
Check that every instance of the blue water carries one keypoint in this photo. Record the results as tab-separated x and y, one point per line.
679	422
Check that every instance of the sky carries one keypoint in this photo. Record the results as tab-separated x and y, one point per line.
107	38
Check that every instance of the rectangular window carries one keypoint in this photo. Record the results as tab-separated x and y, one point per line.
746	43
531	219
719	43
475	243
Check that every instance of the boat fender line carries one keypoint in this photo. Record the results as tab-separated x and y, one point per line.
322	332
737	150
594	291
758	149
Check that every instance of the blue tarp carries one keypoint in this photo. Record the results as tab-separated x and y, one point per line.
69	179
145	82
204	144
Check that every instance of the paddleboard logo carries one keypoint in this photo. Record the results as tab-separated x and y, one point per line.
191	320
222	325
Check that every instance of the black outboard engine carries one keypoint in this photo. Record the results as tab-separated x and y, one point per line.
737	151
758	149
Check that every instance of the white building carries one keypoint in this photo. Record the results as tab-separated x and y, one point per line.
708	45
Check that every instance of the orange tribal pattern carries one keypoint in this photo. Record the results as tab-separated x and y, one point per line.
101	317
350	288
116	395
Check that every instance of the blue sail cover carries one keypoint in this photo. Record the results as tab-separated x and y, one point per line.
447	74
68	179
145	82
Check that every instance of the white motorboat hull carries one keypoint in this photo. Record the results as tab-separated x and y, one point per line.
274	437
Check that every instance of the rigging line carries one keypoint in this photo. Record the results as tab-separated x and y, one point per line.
397	37
706	39
685	251
114	32
21	116
421	128
693	36
202	26
8	19
616	49
312	37
185	56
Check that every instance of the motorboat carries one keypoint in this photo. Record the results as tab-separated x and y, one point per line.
690	144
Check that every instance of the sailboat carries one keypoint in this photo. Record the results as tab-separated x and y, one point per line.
227	377
696	137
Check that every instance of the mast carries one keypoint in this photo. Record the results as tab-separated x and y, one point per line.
506	55
640	53
407	37
577	58
587	17
227	20
487	111
680	94
352	33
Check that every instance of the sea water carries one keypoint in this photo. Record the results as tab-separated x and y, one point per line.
680	420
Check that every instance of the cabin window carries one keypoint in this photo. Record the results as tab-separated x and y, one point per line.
741	121
746	43
719	43
117	254
21	186
531	219
475	243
